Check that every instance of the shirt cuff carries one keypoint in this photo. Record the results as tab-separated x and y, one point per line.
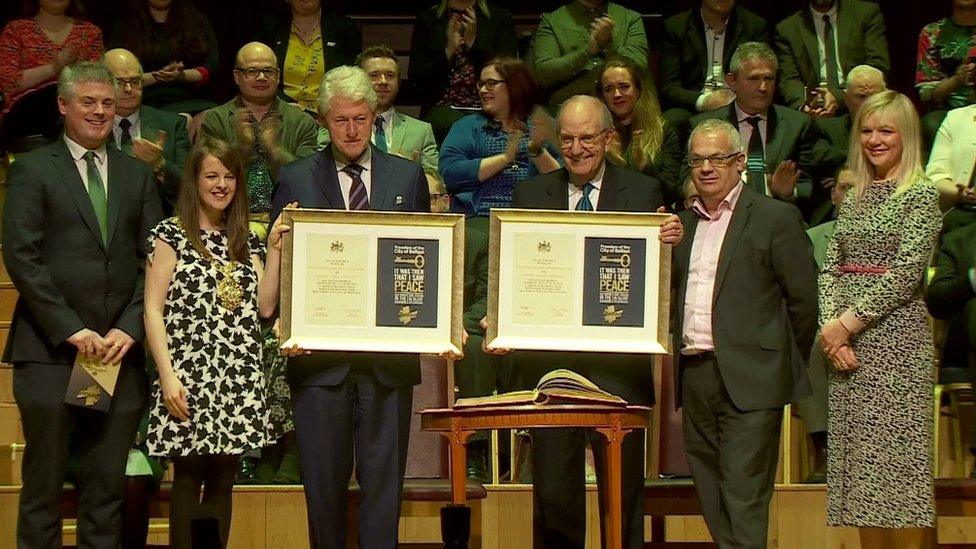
699	102
972	278
850	322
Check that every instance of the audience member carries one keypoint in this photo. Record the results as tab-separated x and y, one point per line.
33	50
352	404
951	296
945	76
573	41
704	38
156	137
308	40
588	183
76	259
950	167
208	404
177	44
270	133
643	140
812	79
487	154
875	331
743	327
395	132
780	140
451	42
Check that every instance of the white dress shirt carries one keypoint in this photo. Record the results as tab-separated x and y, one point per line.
135	130
345	180
818	24
715	49
576	193
78	155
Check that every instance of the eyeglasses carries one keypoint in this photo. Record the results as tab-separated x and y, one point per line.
716	160
251	74
489	83
587	141
135	82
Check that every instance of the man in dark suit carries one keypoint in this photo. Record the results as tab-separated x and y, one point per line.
588	183
744	315
76	219
157	138
951	296
696	51
780	140
855	34
352	403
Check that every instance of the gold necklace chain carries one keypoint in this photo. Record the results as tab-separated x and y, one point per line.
229	291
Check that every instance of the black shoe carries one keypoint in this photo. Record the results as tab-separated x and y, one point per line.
247	474
478	468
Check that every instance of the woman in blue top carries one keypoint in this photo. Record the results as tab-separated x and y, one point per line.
486	154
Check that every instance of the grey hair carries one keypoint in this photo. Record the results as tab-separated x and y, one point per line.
866	72
349	83
84	72
715	125
606	118
748	51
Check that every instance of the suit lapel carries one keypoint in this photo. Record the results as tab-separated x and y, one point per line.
697	38
774	141
732	40
399	132
612	196
809	36
76	188
149	125
328	181
379	180
116	186
740	218
844	26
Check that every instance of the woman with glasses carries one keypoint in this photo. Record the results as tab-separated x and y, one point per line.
876	333
486	154
177	48
308	41
33	50
451	41
643	140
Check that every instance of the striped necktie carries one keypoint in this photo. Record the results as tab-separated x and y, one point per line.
584	204
755	161
358	199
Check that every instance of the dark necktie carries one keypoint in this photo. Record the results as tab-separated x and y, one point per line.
125	142
830	54
358	199
755	161
584	204
96	193
380	134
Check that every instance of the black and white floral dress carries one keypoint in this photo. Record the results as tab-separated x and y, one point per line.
879	468
215	352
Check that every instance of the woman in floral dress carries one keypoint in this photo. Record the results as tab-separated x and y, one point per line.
879	471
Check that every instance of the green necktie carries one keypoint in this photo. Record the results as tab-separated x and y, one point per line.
96	193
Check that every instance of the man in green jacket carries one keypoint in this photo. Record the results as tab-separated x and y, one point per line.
573	41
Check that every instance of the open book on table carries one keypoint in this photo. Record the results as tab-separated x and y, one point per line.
556	387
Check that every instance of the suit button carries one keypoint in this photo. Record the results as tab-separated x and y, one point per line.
108	293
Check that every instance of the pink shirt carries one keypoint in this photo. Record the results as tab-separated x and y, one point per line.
702	268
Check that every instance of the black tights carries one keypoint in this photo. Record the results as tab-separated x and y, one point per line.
216	473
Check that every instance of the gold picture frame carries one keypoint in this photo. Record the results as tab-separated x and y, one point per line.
332	293
536	281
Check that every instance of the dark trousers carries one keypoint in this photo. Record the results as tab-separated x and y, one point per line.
813	409
103	442
559	486
732	454
357	421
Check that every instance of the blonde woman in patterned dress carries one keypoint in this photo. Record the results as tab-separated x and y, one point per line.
879	473
205	288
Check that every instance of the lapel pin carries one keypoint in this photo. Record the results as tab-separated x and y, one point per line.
399	200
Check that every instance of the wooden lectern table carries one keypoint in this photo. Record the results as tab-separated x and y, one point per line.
613	422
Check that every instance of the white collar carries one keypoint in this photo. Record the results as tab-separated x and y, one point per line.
133	118
78	152
818	16
365	160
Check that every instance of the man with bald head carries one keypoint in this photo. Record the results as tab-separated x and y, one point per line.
588	183
157	138
273	131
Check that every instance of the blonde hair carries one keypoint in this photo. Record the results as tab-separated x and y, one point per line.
901	112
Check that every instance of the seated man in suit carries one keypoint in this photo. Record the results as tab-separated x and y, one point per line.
743	318
573	41
811	75
158	138
352	404
76	218
395	132
587	183
703	38
950	167
780	140
951	296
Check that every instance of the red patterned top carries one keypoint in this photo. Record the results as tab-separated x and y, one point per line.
23	45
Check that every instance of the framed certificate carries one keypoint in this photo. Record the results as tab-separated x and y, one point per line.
372	281
578	281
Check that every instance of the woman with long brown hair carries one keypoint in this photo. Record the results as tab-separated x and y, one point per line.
205	289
